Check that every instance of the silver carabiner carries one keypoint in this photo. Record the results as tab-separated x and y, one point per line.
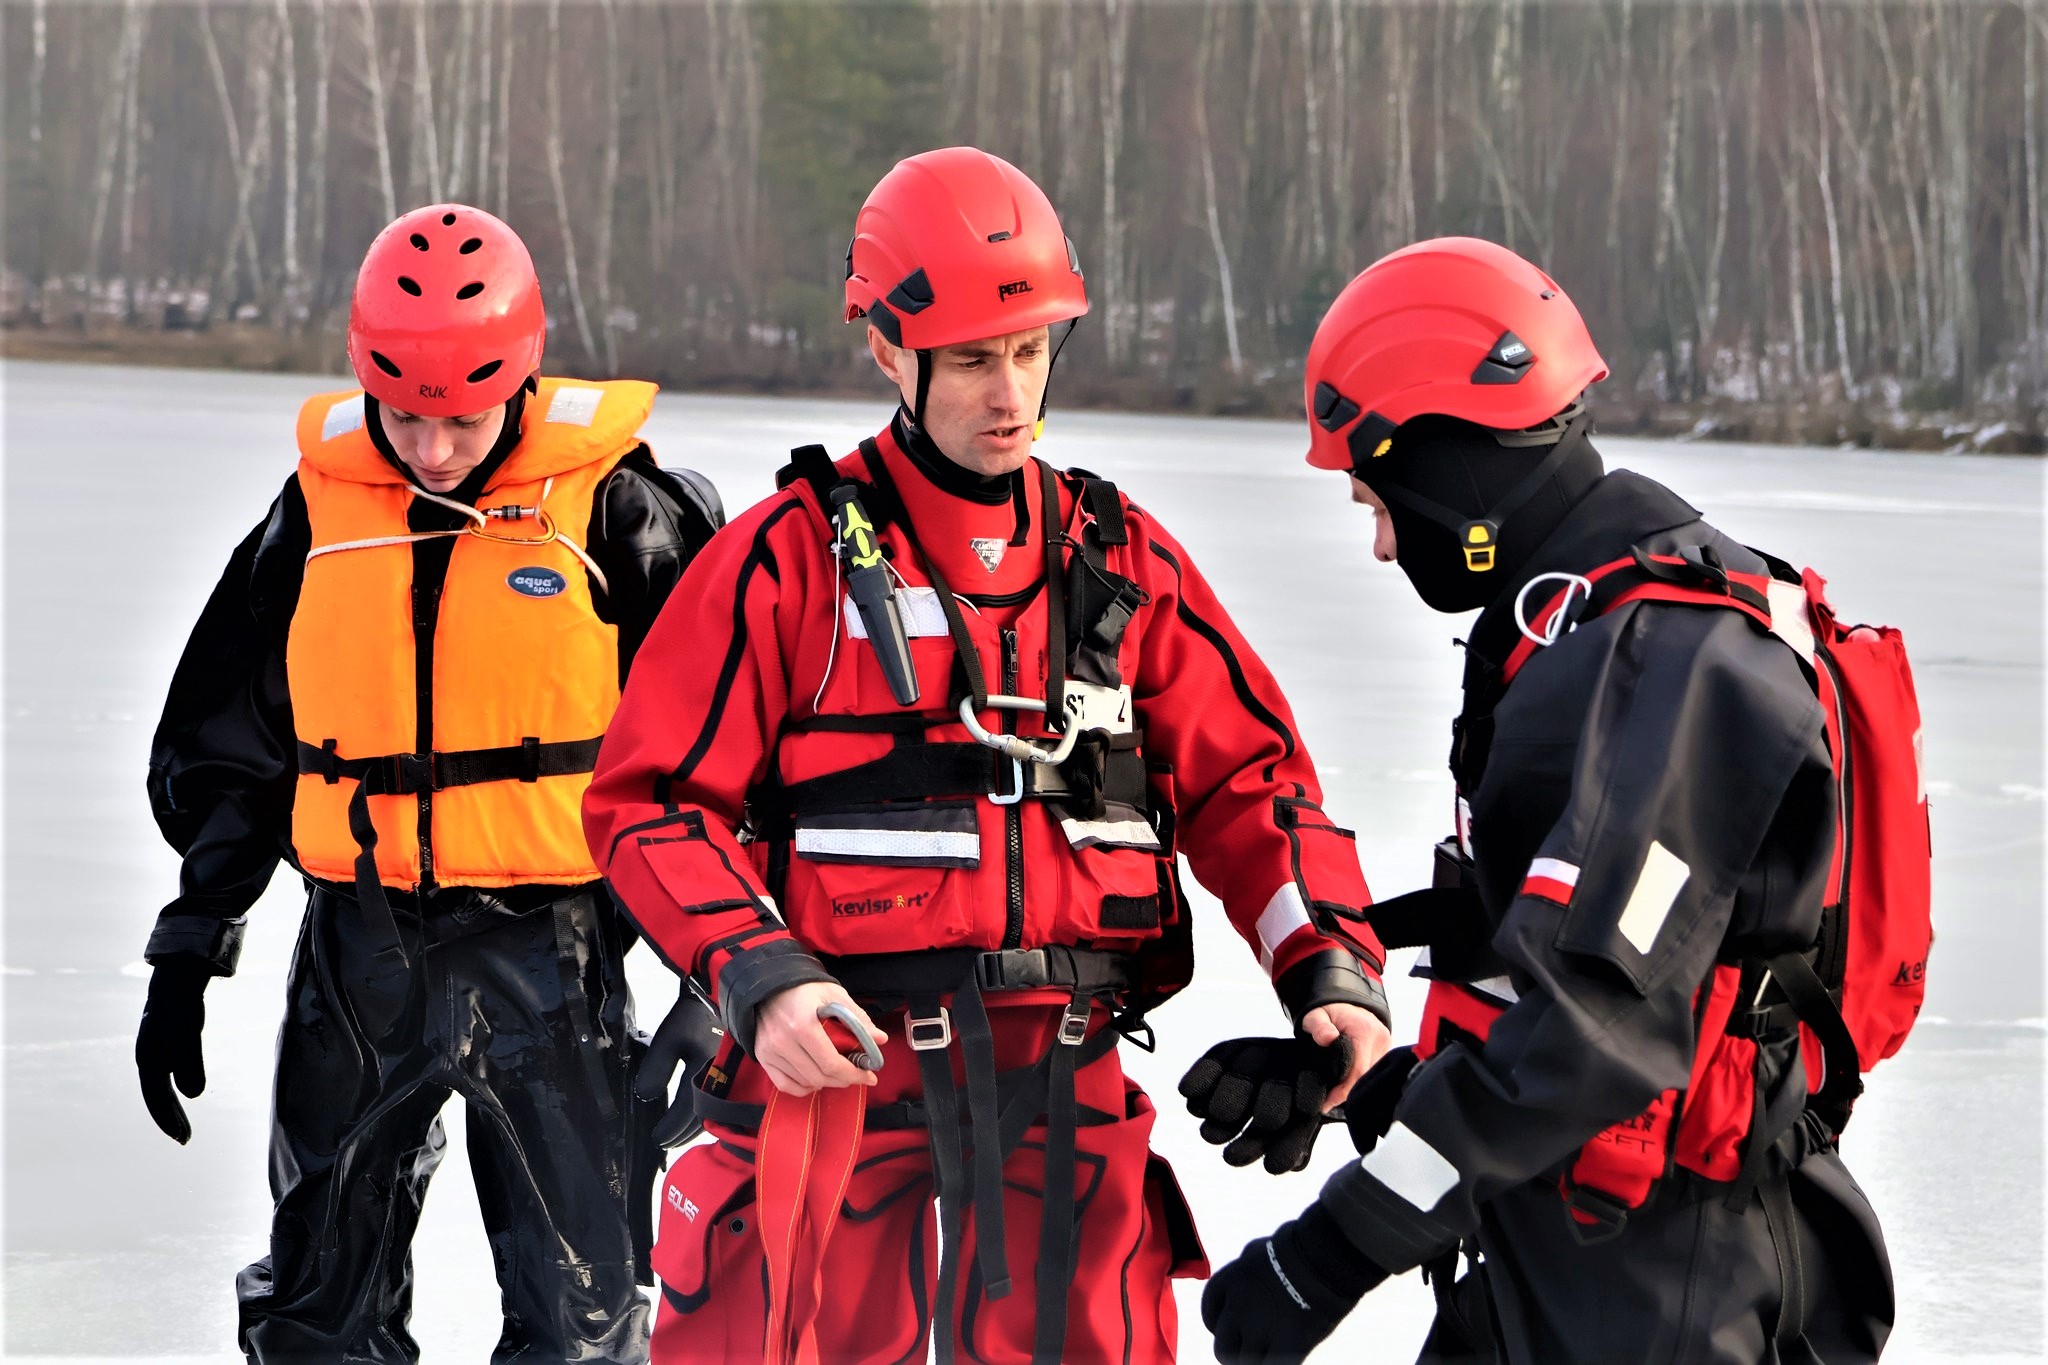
1016	747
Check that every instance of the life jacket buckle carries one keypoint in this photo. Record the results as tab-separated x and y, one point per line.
930	1033
1479	540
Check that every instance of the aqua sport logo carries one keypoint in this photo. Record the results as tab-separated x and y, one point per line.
534	581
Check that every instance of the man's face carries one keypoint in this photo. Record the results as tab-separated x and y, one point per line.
441	451
982	405
1383	548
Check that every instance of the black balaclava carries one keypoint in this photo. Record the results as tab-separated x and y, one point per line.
1467	471
472	486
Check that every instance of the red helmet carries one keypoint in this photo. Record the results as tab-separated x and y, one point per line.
956	245
1453	325
447	317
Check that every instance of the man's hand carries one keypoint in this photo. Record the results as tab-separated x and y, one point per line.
167	1043
792	1046
1361	1028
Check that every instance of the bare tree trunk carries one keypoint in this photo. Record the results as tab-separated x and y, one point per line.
459	111
323	66
131	149
1032	116
1439	78
1340	139
555	153
423	148
1398	217
505	120
39	39
1067	101
110	127
608	189
288	64
2036	348
1311	113
1116	18
1827	203
486	112
380	125
1209	187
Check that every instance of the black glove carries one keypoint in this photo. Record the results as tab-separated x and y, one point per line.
1285	1293
167	1042
690	1035
1265	1097
1369	1108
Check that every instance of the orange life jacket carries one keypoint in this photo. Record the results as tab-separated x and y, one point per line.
524	674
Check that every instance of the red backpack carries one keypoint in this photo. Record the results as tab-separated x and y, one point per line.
1857	997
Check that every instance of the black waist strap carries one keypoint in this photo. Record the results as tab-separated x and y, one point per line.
898	977
934	772
402	774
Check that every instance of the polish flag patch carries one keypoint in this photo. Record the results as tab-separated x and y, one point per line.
1551	879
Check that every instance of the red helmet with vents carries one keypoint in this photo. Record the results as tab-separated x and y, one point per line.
956	245
447	318
1453	325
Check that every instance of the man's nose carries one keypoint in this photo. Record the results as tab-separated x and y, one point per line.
1012	388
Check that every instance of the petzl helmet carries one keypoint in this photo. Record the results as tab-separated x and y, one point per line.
1453	325
447	317
955	245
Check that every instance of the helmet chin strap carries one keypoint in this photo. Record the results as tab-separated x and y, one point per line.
915	410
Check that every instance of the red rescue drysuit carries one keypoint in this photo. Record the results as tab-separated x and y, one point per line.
763	806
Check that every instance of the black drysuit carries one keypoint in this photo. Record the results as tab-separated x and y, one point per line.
515	998
1654	733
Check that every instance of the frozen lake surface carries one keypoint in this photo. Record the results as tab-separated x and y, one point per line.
127	488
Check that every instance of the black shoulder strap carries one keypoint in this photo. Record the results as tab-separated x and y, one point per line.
1107	509
812	464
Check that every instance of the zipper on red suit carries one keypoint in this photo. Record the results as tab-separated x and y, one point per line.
1013	814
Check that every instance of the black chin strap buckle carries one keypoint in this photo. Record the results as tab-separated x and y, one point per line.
1480	540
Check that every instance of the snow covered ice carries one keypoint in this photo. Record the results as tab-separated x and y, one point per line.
127	488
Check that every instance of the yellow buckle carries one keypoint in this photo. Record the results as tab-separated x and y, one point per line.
1478	540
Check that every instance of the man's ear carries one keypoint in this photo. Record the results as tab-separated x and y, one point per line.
888	356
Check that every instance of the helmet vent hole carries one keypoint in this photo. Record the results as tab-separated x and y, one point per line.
483	372
409	285
448	220
470	290
419	242
471	245
384	364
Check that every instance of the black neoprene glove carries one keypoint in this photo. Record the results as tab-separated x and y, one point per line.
1285	1293
690	1035
167	1041
1264	1097
1369	1109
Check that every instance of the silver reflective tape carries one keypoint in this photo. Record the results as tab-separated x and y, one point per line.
574	405
922	614
345	416
892	845
1410	1167
1283	915
1791	617
1656	891
1117	833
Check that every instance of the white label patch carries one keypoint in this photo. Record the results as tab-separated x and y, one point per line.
1091	706
1656	891
1410	1167
575	405
989	550
344	417
922	614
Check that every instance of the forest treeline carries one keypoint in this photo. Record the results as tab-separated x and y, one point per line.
1755	202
